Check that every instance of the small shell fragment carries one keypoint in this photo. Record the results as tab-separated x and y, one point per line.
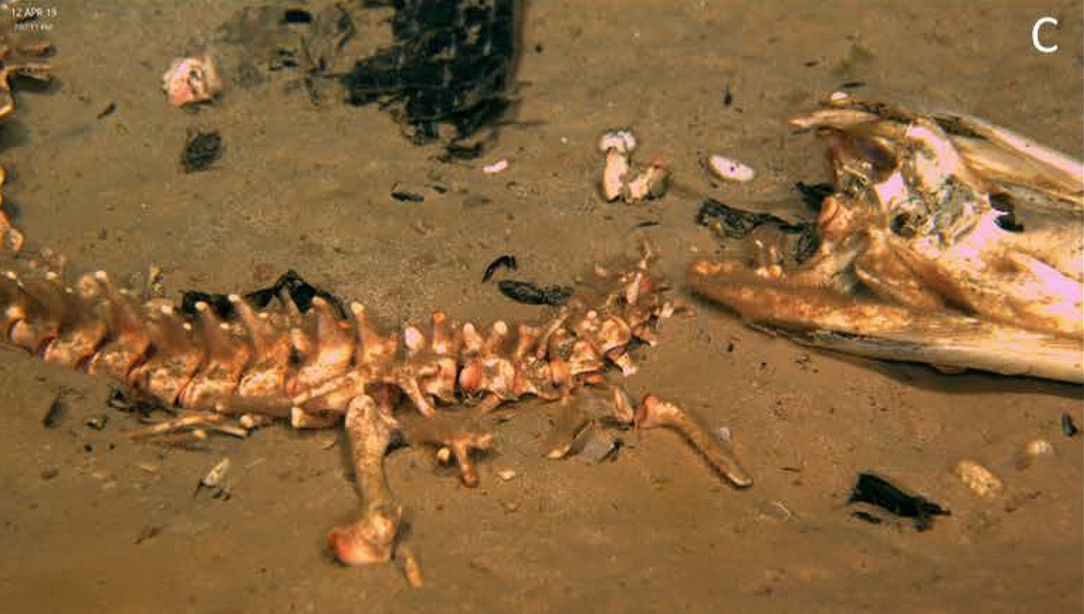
729	169
506	474
496	167
191	80
979	479
839	97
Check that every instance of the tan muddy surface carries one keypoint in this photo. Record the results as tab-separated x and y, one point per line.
91	521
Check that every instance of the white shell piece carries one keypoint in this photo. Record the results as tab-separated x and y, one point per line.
730	169
496	167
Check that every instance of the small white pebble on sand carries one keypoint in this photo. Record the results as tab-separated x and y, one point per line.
730	169
724	433
839	96
496	167
506	474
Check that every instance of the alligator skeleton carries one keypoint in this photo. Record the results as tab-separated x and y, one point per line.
323	368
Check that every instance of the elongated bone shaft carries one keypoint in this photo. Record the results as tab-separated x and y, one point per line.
369	539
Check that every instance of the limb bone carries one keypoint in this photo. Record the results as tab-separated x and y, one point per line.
370	538
655	413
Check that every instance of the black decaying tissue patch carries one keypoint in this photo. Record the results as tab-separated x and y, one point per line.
878	491
290	284
1067	427
201	150
531	294
507	260
813	195
736	223
450	63
406	196
733	223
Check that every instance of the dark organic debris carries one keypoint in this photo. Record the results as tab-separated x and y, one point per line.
1002	202
289	285
147	532
615	448
54	412
97	422
728	97
1067	426
813	195
296	16
733	223
531	294
850	85
132	401
1008	223
201	150
406	196
458	151
877	491
450	64
507	260
866	516
108	110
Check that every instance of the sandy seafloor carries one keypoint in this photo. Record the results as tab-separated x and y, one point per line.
118	529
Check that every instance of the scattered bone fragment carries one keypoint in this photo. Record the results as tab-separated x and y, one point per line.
1039	447
650	184
457	436
1033	450
654	413
412	569
254	421
775	510
619	179
193	420
496	167
729	169
568	434
215	479
623	411
979	479
614	172
191	80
